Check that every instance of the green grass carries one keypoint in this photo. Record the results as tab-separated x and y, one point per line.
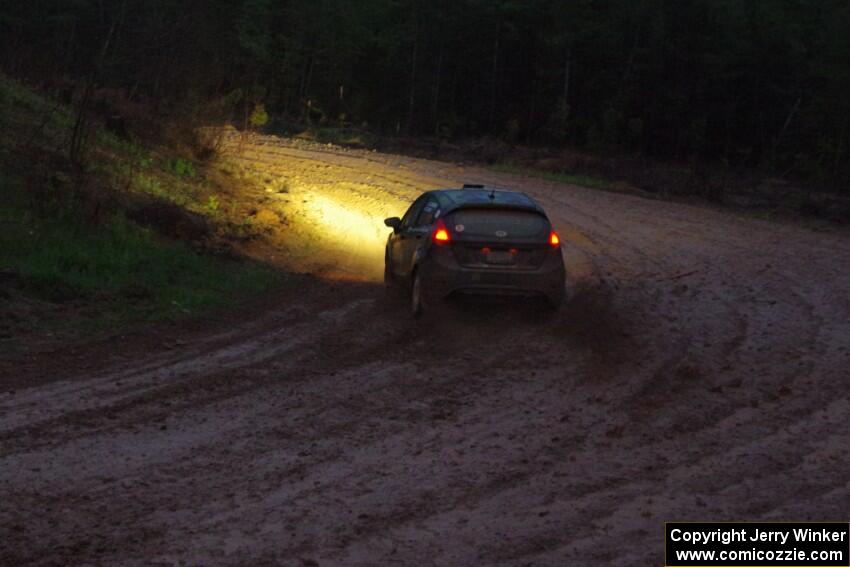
24	112
61	256
127	150
130	164
57	251
180	167
559	177
18	97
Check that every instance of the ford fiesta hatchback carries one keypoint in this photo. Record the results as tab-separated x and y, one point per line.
474	240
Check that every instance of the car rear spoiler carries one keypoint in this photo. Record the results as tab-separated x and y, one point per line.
497	205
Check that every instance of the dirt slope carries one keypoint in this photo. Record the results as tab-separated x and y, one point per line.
700	371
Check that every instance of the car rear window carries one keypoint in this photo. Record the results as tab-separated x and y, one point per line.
483	222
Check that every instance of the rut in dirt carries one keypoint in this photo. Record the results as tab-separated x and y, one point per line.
698	371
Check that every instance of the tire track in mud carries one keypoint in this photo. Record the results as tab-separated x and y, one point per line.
124	388
336	431
739	338
342	430
489	434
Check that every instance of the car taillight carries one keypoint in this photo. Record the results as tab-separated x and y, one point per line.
441	233
554	239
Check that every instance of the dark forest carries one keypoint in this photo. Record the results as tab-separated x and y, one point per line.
734	82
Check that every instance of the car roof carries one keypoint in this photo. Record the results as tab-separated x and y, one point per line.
451	199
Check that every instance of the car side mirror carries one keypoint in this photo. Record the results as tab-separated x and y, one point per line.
393	222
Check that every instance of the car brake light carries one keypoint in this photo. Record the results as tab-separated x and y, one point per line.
554	239
441	233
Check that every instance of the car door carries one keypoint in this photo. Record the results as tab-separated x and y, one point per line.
416	236
400	240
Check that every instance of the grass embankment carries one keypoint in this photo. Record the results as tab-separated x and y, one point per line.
347	137
60	256
66	236
559	177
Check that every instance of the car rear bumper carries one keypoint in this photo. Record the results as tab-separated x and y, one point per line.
444	276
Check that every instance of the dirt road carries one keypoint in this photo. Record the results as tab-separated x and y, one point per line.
700	371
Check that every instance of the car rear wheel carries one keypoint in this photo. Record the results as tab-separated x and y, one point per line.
416	304
392	290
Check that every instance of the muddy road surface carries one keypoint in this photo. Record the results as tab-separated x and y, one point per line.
699	371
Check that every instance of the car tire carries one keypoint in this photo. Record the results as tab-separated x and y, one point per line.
393	292
417	305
